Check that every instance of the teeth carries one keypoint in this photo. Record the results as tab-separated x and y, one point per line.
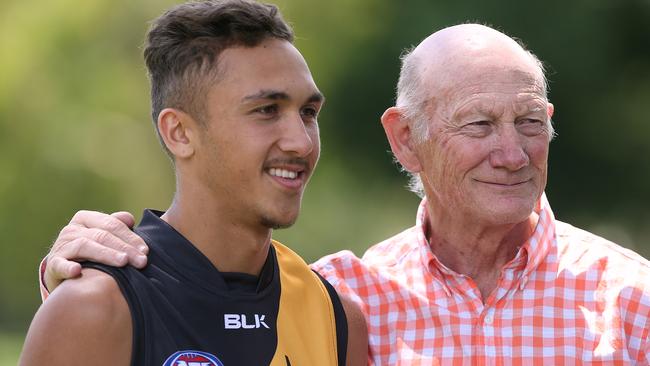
283	173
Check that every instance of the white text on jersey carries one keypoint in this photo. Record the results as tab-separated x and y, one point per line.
237	321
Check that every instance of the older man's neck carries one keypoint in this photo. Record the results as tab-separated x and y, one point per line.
479	253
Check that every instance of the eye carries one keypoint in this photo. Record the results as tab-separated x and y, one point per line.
531	126
309	112
477	128
267	110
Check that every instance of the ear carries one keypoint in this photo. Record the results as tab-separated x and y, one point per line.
177	131
550	109
400	139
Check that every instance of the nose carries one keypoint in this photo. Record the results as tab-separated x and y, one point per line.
295	137
509	151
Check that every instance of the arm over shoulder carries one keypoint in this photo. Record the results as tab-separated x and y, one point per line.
87	321
357	354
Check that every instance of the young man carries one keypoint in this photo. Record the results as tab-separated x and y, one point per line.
236	108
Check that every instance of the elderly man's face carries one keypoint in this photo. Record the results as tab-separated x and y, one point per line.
485	158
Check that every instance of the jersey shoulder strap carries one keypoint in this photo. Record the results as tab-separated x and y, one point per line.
308	316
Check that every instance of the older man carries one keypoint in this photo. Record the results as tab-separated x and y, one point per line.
487	275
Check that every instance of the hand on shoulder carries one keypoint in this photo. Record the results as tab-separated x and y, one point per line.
94	236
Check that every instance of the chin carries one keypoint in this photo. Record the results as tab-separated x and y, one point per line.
278	222
514	215
504	212
510	218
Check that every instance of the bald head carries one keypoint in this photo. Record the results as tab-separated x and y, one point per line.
468	40
461	51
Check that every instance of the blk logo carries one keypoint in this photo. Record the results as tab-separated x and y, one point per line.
239	321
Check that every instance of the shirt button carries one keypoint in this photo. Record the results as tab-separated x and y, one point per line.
489	319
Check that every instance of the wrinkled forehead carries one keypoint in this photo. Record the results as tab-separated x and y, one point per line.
494	78
458	81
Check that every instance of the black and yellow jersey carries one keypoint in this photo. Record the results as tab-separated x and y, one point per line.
185	312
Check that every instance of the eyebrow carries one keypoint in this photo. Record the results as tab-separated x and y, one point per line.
279	95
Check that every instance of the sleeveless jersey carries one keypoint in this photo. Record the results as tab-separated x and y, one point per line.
187	313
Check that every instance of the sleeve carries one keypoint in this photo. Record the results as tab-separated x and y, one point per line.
345	272
351	278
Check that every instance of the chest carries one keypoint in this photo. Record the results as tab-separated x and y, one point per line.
533	321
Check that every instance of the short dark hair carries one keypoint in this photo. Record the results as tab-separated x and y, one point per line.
183	46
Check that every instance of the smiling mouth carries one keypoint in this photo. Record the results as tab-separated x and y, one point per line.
284	173
505	184
290	173
291	178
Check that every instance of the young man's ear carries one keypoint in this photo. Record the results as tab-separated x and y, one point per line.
400	137
177	130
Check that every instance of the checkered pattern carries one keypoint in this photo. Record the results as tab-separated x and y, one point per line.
567	298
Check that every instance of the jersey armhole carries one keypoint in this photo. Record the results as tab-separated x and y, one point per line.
339	319
128	292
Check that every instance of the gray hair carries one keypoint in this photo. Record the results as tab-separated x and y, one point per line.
412	101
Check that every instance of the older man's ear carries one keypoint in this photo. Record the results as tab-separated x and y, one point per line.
550	108
401	139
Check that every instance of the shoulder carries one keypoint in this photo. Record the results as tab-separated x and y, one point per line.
85	320
357	350
582	247
339	262
396	249
386	253
384	259
614	270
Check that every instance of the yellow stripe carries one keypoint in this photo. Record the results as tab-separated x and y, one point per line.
306	325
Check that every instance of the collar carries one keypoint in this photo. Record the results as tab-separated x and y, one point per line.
172	247
530	255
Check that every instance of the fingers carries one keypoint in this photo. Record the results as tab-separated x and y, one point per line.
125	217
97	237
59	269
83	248
99	246
113	225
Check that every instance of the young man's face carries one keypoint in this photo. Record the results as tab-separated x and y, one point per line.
261	140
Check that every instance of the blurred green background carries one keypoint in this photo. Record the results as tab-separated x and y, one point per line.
75	129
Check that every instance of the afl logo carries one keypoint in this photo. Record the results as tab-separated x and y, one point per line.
192	358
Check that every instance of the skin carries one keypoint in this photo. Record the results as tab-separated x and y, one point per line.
87	318
483	163
262	117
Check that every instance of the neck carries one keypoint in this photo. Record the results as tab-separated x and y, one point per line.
476	251
230	244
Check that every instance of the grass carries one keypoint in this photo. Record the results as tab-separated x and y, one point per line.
10	346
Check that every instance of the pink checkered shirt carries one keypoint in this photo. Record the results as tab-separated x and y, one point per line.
567	298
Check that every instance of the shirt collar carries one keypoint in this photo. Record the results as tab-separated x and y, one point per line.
533	251
543	238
